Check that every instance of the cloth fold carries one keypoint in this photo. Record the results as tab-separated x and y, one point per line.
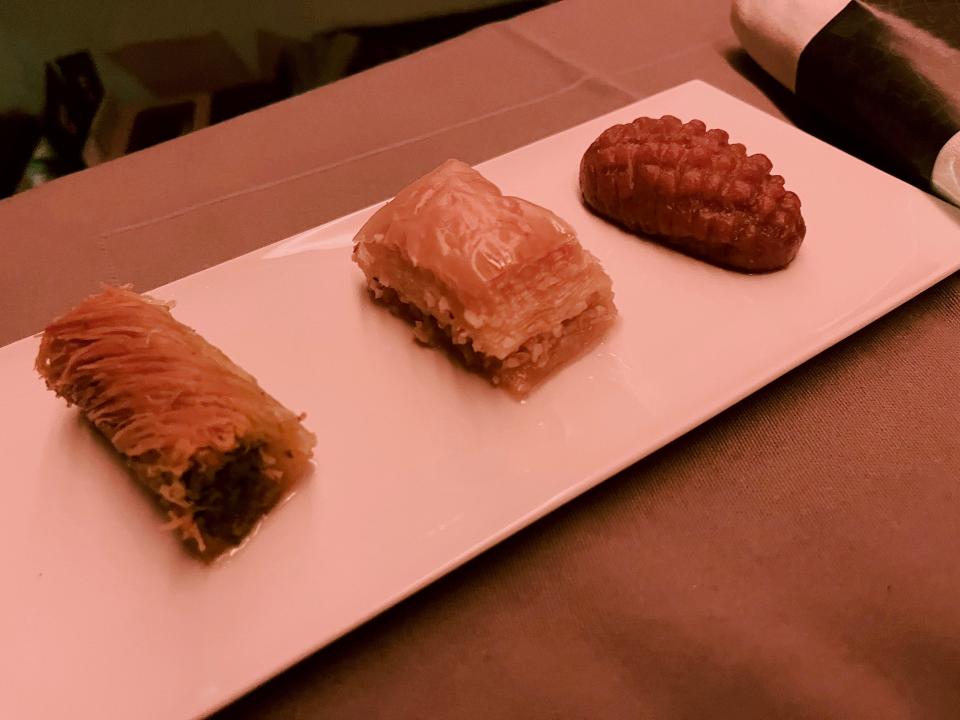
885	72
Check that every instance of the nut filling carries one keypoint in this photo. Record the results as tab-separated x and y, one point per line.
228	501
519	370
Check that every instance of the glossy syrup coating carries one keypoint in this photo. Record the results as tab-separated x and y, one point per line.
689	188
457	224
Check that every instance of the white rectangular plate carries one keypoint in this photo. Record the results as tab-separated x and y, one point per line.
420	466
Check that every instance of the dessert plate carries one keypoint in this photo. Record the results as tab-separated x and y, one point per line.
419	465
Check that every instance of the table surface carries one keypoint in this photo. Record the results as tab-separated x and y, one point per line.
792	558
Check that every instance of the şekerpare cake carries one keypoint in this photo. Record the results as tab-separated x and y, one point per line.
503	283
690	189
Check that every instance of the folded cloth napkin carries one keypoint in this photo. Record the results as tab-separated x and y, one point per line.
886	72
